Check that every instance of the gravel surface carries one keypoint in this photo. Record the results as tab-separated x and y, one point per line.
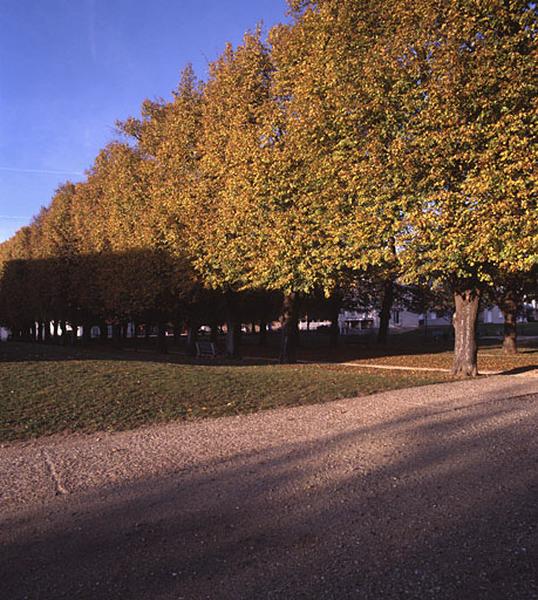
423	493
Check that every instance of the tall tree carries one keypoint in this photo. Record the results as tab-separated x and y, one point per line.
471	150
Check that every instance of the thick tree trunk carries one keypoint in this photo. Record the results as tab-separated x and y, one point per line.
162	346
233	326
465	320
289	329
384	314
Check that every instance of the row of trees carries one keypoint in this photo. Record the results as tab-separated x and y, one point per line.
354	144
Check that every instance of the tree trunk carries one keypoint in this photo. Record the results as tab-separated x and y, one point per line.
135	334
192	337
74	337
465	320
86	333
384	314
64	333
233	337
47	332
39	331
214	333
177	332
262	340
510	333
161	339
289	329
55	334
334	331
116	335
509	305
233	326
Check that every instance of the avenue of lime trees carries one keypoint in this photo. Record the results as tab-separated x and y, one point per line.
354	144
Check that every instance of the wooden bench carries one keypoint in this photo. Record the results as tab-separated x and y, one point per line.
205	349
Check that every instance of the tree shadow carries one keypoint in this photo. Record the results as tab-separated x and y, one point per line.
520	370
152	287
437	501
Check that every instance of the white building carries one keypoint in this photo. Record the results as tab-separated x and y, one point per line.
353	322
356	322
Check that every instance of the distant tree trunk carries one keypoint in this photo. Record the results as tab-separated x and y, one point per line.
262	340
33	332
75	333
147	331
510	332
162	346
384	314
214	332
116	335
47	332
56	332
39	332
289	321
177	332
64	333
334	331
135	334
509	303
467	302
233	338
233	326
86	332
103	331
192	337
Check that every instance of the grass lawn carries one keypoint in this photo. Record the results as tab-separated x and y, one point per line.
490	358
50	390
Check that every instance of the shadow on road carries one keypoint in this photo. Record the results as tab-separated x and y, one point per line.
437	501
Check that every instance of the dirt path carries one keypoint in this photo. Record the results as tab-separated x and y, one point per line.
423	493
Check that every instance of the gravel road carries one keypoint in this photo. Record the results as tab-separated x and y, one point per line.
425	493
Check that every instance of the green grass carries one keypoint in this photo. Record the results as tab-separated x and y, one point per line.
46	392
490	359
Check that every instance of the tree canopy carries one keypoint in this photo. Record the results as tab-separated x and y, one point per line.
353	144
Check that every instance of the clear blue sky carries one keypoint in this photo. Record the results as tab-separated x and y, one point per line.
70	68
